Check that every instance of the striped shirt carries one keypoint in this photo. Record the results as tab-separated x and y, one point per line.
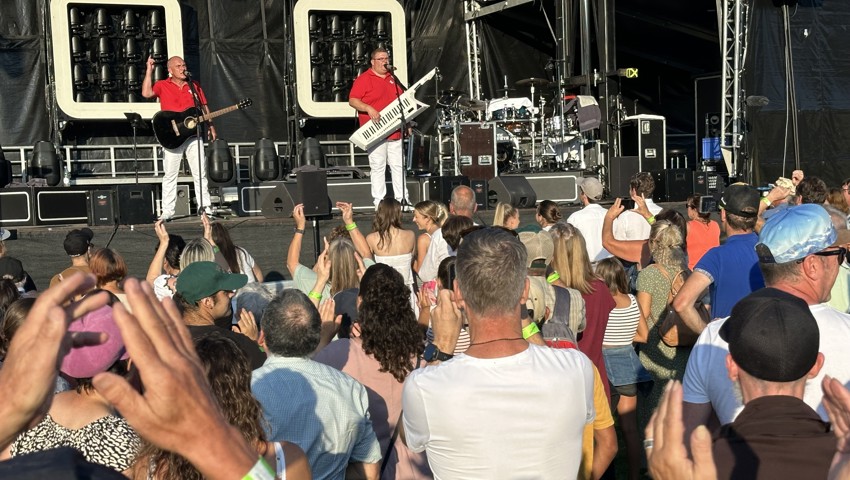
622	325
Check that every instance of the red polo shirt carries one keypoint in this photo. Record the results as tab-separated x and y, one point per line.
174	98
375	91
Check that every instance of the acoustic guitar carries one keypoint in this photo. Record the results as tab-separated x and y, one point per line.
173	128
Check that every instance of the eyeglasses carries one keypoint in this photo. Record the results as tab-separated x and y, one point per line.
841	252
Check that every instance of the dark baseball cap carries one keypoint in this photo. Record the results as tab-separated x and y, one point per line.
78	241
202	279
741	199
772	335
11	268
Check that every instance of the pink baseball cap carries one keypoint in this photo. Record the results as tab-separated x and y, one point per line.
86	362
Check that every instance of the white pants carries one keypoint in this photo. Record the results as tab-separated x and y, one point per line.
381	155
171	166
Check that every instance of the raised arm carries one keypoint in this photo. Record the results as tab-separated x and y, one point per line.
155	268
630	250
293	256
147	82
357	237
693	289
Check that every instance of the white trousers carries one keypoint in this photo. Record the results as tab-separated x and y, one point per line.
381	155
171	166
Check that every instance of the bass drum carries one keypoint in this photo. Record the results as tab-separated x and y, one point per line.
507	150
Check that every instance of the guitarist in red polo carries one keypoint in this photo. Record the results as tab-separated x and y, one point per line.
175	95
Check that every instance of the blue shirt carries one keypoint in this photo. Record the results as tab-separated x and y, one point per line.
733	270
319	408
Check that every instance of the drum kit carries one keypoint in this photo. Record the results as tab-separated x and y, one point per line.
532	133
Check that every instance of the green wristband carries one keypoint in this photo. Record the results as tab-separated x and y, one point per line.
553	277
766	201
317	296
260	471
650	220
530	330
351	226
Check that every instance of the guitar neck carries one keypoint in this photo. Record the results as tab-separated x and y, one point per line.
211	115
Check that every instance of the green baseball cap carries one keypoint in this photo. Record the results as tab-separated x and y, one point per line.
202	279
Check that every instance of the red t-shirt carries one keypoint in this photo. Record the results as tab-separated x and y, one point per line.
376	91
174	98
597	306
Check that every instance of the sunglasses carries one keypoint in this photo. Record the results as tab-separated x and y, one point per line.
841	252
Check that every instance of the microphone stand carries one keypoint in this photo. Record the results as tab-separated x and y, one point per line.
398	88
198	140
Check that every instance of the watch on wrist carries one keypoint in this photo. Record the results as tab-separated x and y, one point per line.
299	230
432	354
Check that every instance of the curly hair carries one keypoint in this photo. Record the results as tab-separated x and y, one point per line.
387	217
229	375
388	325
665	244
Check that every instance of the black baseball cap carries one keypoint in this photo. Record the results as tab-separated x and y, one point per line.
741	199
772	335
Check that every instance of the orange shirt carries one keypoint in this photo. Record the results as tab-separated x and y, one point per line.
701	238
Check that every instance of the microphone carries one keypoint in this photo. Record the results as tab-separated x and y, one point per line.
187	73
390	67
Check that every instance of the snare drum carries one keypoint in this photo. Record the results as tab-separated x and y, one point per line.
516	128
507	146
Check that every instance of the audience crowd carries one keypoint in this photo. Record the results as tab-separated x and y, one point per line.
463	352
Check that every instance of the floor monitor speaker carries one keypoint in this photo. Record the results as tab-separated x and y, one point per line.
514	190
277	202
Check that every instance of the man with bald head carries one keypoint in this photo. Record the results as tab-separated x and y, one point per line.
175	95
463	201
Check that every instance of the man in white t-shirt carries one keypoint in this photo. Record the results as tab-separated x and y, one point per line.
505	408
799	254
631	225
589	219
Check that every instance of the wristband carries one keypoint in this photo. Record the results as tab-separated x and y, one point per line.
351	226
650	220
553	277
312	294
216	249
260	471
766	201
530	330
299	230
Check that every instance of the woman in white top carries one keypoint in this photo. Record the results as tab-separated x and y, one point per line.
626	325
389	242
429	216
239	260
548	214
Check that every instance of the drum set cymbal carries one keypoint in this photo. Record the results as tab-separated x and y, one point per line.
471	104
532	82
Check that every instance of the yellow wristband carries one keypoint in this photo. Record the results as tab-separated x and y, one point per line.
766	201
312	294
530	330
351	226
554	277
650	220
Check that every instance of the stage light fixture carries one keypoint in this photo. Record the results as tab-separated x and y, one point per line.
160	72
312	153
265	161
130	23
97	50
220	164
45	163
347	33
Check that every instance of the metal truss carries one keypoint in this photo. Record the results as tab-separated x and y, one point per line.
473	47
734	49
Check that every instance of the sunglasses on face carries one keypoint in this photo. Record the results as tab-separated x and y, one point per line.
840	252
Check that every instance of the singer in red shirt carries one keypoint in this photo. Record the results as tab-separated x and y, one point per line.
175	95
372	91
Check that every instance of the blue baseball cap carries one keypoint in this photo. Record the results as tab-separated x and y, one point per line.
797	232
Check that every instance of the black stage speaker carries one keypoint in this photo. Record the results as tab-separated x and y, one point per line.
16	207
440	188
622	169
61	205
673	184
135	204
102	209
277	202
514	190
313	193
482	193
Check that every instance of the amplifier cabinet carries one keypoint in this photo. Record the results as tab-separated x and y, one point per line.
61	205
16	207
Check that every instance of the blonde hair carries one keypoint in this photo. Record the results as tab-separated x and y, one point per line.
504	211
570	258
436	211
197	250
665	244
343	265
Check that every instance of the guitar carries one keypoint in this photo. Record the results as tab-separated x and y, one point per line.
173	128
